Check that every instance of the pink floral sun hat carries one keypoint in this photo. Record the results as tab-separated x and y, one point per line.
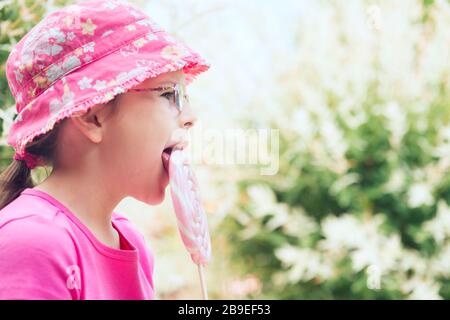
83	55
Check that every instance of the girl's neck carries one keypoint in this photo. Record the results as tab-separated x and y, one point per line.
90	203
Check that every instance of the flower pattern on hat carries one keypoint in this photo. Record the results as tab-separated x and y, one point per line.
83	55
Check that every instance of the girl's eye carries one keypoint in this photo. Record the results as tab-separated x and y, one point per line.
168	94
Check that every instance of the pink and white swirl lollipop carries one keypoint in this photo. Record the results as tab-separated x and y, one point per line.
191	217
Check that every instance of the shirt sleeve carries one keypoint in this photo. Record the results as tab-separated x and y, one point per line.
37	261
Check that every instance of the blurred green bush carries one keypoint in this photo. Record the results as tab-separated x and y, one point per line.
360	206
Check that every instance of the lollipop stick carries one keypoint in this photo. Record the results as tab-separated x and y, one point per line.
202	282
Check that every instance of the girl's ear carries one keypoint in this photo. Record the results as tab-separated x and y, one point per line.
92	123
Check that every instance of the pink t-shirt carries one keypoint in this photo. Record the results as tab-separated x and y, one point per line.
46	252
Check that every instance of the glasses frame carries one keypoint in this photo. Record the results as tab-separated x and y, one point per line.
179	92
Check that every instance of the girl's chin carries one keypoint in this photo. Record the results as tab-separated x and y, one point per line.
157	191
155	199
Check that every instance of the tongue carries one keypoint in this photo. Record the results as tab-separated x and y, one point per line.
165	159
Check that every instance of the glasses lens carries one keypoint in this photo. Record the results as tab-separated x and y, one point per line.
180	96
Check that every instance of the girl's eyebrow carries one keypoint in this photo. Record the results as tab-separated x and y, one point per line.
163	87
167	83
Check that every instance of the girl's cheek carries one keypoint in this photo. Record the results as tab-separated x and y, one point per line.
148	130
167	124
157	136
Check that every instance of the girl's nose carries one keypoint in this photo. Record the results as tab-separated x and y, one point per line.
188	117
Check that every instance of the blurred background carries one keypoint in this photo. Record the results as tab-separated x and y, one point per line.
357	92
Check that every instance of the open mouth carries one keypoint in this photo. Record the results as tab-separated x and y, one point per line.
168	151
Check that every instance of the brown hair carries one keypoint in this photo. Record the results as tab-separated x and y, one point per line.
17	176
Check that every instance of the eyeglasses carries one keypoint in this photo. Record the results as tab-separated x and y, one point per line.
178	94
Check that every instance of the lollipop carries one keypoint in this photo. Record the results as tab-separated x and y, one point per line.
191	217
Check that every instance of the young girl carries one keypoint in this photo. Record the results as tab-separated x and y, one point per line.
99	92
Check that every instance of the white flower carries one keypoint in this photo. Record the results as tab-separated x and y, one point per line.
70	63
303	123
19	75
85	83
121	77
128	50
107	33
397	121
396	181
288	254
151	36
88	27
422	289
304	264
299	224
172	52
378	250
71	35
67	100
262	200
111	5
55	106
420	194
89	47
342	232
19	98
118	90
87	58
49	42
366	244
440	263
58	70
124	76
280	216
54	72
344	182
243	287
439	226
136	71
147	63
144	22
411	260
99	85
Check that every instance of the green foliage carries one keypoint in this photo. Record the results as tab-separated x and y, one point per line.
16	19
383	184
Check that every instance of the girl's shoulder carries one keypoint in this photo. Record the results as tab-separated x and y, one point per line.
29	222
29	203
37	254
26	230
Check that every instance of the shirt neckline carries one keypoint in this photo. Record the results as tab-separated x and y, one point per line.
121	254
